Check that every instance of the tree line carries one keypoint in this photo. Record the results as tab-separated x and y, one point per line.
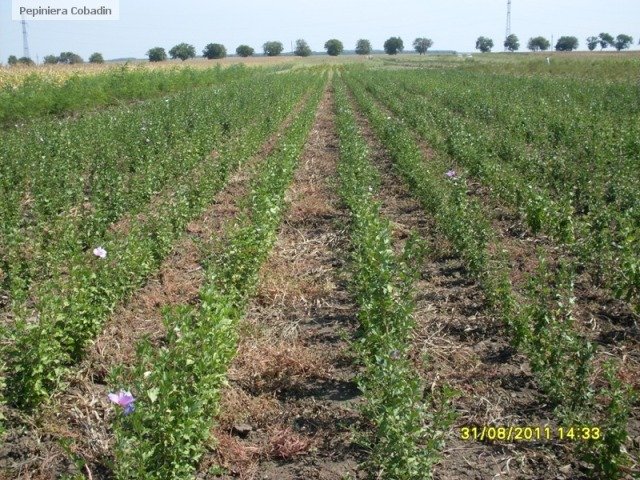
564	44
334	47
65	58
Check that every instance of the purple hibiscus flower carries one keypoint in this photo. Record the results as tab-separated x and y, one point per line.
124	399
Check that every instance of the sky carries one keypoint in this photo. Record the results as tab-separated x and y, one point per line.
451	24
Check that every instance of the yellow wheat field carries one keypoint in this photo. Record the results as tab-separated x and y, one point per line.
13	77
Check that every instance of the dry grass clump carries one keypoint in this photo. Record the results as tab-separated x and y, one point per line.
286	444
266	366
239	407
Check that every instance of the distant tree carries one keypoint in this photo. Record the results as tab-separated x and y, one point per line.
393	45
12	60
26	61
50	60
70	58
484	44
272	49
567	44
183	51
244	51
512	43
538	44
606	40
623	42
157	54
302	48
421	45
592	43
334	47
214	50
363	47
96	58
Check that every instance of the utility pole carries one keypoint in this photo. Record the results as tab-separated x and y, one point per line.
25	39
508	29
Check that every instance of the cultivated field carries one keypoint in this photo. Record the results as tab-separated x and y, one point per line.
399	268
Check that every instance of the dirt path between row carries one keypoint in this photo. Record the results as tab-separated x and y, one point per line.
81	413
467	349
291	403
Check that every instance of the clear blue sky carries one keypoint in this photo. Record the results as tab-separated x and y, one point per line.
452	24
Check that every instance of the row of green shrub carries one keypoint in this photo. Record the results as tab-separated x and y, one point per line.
61	193
408	426
71	307
178	385
539	320
560	152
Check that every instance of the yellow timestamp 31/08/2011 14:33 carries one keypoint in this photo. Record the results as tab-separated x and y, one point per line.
515	433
